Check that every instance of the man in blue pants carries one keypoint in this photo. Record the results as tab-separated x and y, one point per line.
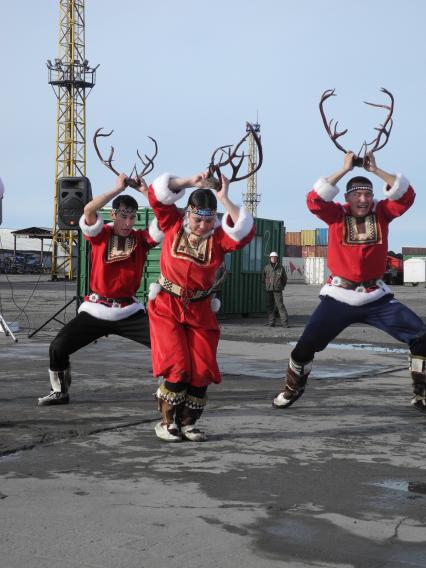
355	291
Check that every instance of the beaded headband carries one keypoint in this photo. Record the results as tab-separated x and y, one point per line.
124	211
201	212
360	188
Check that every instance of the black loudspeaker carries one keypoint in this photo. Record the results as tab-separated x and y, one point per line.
73	194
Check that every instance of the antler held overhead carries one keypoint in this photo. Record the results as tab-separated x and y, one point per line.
328	125
229	156
384	129
147	161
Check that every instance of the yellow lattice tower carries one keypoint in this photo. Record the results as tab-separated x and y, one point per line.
72	79
251	199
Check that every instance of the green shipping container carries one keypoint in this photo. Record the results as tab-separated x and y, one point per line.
242	292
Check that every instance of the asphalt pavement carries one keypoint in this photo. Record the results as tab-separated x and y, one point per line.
337	480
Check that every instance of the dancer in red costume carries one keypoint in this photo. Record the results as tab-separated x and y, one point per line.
355	291
118	257
184	329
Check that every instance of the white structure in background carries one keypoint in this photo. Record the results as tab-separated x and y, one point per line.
316	270
311	270
415	270
294	268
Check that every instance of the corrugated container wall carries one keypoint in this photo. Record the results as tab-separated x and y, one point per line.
316	270
321	236
293	251
294	268
321	251
414	251
242	292
293	238
308	251
307	237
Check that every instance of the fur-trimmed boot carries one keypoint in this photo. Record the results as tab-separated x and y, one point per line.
418	377
188	415
60	382
169	403
294	387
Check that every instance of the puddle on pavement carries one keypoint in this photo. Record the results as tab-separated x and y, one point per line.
399	485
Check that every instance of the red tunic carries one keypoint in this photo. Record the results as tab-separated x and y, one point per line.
116	267
357	251
185	335
120	276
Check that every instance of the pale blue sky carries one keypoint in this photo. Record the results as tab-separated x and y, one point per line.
191	72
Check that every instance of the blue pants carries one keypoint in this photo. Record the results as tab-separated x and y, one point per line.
331	317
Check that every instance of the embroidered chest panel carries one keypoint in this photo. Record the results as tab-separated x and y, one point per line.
120	248
361	230
192	248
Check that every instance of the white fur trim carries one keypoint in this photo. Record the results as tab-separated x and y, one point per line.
241	228
398	189
352	297
55	382
162	191
111	314
154	290
91	230
215	304
325	190
155	232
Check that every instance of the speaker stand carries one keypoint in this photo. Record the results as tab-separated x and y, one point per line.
53	317
6	328
74	298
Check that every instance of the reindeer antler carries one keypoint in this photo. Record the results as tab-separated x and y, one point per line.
148	162
384	129
230	157
328	125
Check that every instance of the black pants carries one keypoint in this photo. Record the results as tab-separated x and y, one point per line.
85	329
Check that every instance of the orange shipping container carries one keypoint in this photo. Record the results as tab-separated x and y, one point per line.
321	251
292	238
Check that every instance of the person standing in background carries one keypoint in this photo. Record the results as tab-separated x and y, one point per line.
275	280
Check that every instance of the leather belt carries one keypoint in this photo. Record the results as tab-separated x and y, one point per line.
110	302
183	293
364	286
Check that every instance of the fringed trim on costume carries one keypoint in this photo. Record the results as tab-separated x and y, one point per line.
173	398
91	230
398	189
162	191
155	232
154	290
325	190
241	228
195	402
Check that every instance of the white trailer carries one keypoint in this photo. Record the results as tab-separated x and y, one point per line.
415	271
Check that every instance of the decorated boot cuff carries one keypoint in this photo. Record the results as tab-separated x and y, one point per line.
195	402
173	398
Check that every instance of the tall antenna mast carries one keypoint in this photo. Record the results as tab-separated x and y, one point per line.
251	199
72	79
